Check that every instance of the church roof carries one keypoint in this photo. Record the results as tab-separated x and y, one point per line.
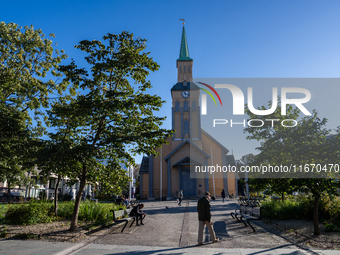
214	140
230	160
182	144
184	51
180	86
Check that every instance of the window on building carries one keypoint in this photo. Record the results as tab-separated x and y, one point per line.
185	106
177	107
193	106
52	183
188	69
180	69
186	127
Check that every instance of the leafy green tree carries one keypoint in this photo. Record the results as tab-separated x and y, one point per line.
52	159
112	118
14	138
305	144
26	57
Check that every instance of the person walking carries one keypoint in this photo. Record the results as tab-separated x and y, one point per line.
180	197
223	194
204	218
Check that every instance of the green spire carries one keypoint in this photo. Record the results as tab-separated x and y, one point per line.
184	52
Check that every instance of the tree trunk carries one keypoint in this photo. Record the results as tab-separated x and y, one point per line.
74	221
56	197
9	192
283	197
316	214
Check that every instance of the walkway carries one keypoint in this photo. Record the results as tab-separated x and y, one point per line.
171	230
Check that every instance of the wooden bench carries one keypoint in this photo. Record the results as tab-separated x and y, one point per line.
243	207
249	210
123	213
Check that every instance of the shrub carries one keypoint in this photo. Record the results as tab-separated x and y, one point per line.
335	210
25	236
30	213
43	212
330	227
4	233
89	211
66	197
281	210
65	209
302	208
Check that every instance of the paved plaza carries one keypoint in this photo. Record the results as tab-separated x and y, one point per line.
171	229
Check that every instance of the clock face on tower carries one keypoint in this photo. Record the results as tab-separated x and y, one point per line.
185	94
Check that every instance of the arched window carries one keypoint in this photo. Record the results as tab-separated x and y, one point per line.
177	107
188	69
193	106
180	69
186	127
185	106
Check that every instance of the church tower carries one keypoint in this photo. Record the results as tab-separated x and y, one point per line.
185	99
190	146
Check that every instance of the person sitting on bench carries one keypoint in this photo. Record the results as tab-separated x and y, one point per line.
137	211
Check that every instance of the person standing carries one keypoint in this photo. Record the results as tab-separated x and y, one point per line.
204	218
243	193
180	197
223	194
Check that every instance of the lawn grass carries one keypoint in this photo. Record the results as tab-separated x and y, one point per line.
3	209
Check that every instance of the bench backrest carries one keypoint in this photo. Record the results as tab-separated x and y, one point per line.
257	211
120	213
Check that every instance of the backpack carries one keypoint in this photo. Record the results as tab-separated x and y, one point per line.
133	212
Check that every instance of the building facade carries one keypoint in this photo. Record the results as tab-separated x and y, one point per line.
190	146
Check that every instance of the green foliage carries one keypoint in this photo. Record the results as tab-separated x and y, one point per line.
26	236
282	210
309	142
26	57
112	117
65	209
3	232
302	208
3	210
66	197
42	212
30	213
330	227
89	211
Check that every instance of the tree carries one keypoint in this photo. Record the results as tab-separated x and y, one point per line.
305	144
111	119
14	141
52	158
26	57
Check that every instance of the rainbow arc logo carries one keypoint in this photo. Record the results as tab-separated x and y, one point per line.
209	93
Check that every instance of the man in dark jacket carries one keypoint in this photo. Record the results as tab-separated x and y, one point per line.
204	218
137	212
223	194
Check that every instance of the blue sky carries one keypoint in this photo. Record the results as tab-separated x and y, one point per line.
239	39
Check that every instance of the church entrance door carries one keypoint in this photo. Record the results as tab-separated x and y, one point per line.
187	184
